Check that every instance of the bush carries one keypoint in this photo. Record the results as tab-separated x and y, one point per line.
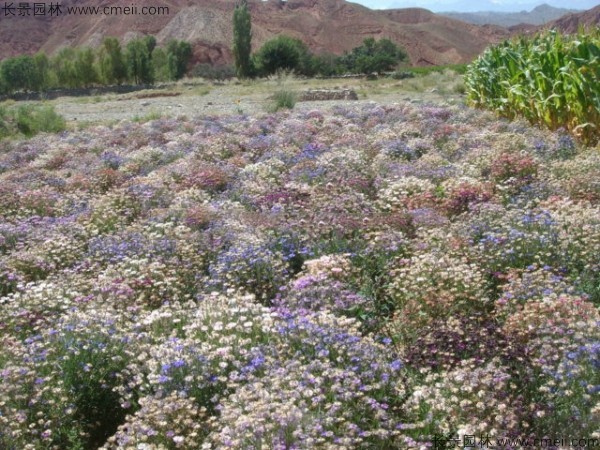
283	53
325	64
373	57
30	120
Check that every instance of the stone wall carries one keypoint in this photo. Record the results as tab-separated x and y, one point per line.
328	94
78	92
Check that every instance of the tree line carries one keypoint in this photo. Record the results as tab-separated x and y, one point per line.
141	61
288	53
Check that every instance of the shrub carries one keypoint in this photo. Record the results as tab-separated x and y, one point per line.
283	53
30	120
373	56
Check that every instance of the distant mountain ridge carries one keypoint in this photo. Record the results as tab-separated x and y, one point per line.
507	6
540	15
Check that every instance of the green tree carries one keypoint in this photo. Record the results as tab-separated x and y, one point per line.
112	62
63	65
283	53
139	62
150	42
179	54
42	77
19	73
85	70
373	56
160	64
326	64
242	40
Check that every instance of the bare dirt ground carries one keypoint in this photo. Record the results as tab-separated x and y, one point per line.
194	98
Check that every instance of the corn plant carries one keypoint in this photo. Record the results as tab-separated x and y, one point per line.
551	80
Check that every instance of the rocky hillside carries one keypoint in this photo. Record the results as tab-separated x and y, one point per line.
571	22
325	25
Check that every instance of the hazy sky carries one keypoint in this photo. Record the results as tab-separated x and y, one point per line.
477	5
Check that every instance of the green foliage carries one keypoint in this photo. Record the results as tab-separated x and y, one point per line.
32	120
139	60
85	70
152	115
160	65
326	64
373	56
150	43
73	68
112	62
283	53
19	73
97	405
178	55
29	120
551	80
63	65
141	63
42	76
242	41
283	99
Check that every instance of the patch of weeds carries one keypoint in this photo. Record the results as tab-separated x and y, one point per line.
283	99
152	115
202	90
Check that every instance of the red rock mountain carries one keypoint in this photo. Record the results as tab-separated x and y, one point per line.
325	25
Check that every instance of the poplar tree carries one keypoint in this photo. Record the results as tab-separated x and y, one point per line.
112	62
242	39
179	54
139	61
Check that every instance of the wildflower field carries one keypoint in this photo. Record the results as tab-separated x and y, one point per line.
370	276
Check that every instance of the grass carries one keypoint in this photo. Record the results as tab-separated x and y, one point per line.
458	68
444	82
92	99
201	90
284	99
152	115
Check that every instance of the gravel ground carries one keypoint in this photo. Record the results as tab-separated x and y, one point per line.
219	100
